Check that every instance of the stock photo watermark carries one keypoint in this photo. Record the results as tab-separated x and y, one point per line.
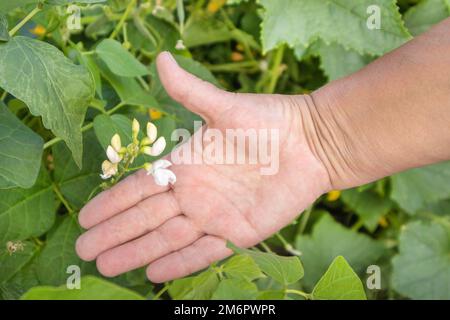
74	279
210	146
373	281
374	20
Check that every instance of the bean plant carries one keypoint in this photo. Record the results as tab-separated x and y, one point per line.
82	107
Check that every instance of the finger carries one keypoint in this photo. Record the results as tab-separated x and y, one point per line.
195	94
173	235
122	196
195	257
134	222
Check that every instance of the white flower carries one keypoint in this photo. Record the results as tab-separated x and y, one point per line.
180	45
157	148
152	132
109	169
116	143
161	174
112	154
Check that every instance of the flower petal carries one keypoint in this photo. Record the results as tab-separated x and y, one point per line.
112	154
116	143
161	164
152	132
158	147
164	176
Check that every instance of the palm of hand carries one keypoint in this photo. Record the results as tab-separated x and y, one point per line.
183	229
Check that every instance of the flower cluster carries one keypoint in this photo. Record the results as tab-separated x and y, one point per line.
120	158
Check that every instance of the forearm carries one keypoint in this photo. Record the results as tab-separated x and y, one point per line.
392	115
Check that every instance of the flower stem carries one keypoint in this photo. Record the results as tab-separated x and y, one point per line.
30	16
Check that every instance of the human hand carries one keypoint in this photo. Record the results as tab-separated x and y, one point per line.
183	228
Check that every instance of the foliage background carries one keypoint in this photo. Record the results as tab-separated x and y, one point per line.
61	106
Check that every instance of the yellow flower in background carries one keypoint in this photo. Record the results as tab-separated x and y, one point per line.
333	195
155	114
383	222
215	5
38	30
236	56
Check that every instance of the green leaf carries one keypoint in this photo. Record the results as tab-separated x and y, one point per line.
416	188
129	90
271	295
425	14
235	289
10	264
422	268
330	239
338	62
4	33
21	282
92	288
119	60
340	282
201	30
51	86
74	183
107	126
242	267
334	21
200	287
368	205
64	2
285	270
21	152
27	212
59	253
7	6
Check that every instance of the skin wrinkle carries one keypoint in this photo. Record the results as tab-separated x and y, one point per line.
316	143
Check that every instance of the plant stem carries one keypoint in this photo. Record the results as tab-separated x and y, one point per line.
234	67
266	247
124	18
287	246
161	292
62	199
275	70
25	20
304	219
4	94
305	295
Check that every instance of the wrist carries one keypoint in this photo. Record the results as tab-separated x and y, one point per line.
338	142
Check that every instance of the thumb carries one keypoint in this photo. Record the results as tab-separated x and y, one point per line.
199	96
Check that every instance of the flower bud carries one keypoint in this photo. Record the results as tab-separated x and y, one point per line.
112	154
148	167
135	129
152	132
116	143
